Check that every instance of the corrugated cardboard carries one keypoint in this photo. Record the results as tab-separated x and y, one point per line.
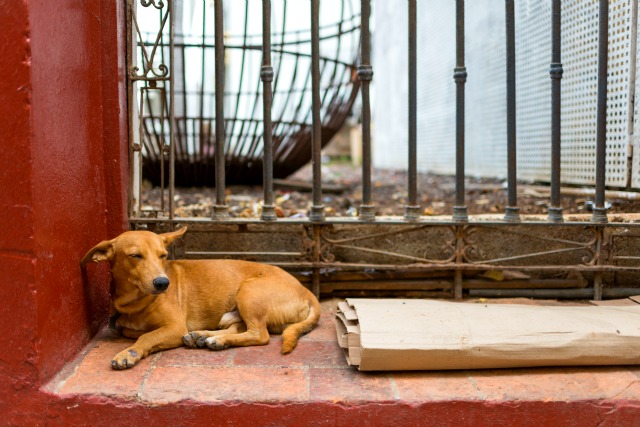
405	334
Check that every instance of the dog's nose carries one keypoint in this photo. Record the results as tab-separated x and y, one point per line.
161	283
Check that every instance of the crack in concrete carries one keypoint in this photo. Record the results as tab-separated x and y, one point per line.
475	385
394	387
146	375
625	389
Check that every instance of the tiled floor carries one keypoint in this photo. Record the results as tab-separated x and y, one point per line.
316	371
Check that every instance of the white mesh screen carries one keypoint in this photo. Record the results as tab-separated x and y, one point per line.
579	91
486	91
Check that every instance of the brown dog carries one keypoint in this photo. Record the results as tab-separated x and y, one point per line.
166	303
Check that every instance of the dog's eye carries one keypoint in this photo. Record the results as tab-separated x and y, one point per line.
136	256
163	256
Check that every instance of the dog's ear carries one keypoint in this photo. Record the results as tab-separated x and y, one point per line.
103	251
168	238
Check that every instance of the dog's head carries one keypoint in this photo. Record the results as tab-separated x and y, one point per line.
137	259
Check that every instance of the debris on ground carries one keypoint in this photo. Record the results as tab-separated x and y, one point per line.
342	196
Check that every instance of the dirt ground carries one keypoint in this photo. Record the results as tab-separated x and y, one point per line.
389	193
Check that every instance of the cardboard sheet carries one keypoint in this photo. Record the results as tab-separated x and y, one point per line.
408	334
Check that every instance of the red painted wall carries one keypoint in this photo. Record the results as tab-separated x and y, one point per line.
74	65
62	179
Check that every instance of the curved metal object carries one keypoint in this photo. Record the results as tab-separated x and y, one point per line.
195	130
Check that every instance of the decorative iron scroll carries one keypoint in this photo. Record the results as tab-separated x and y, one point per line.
147	61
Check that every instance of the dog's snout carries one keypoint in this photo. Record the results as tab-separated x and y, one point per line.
161	283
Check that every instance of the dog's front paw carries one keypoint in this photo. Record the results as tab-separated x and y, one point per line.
190	339
194	339
125	359
216	343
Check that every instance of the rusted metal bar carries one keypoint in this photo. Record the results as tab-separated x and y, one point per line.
317	210
386	285
172	117
597	277
266	74
599	211
597	286
512	212
316	254
365	75
555	71
459	259
463	267
243	253
585	293
412	210
378	276
460	77
431	284
459	208
457	285
220	209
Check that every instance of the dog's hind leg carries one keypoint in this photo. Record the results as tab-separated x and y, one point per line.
253	310
256	334
197	338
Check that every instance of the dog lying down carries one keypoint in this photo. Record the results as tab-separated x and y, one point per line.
214	303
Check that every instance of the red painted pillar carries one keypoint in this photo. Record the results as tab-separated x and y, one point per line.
62	178
17	259
77	129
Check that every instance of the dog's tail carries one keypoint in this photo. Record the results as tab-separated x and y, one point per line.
292	332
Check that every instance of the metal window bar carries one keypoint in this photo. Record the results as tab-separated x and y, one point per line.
152	132
555	71
317	210
172	139
599	211
459	208
412	209
460	77
512	210
266	75
365	74
220	210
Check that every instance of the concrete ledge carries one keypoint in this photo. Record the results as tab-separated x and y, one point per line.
314	386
